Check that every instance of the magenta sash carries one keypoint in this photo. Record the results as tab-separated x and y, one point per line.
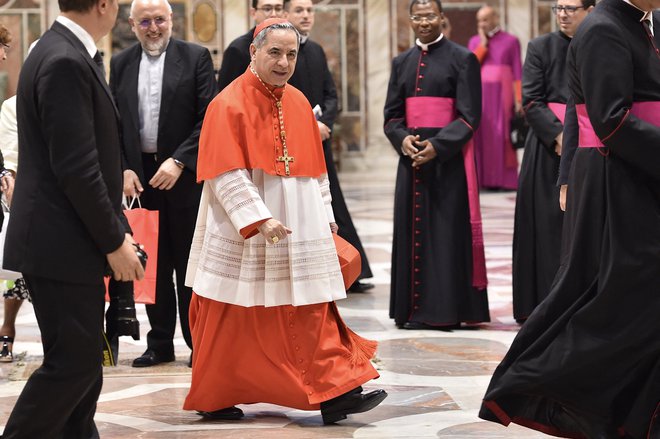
559	110
587	137
438	112
429	112
647	111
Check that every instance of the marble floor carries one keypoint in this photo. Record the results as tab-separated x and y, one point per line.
435	379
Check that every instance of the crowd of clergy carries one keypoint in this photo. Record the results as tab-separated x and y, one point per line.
240	167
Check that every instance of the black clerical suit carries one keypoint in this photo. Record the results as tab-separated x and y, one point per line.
314	79
235	59
432	262
66	217
586	362
538	218
187	88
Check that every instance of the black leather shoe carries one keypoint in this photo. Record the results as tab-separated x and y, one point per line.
419	325
360	287
151	358
338	408
229	414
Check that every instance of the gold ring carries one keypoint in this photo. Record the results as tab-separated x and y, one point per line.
275	239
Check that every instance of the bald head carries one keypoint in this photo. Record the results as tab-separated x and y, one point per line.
151	21
487	19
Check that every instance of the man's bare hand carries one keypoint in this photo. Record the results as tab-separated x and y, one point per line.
274	231
408	147
7	186
483	37
563	189
558	143
334	228
324	130
132	185
125	263
166	176
518	108
426	153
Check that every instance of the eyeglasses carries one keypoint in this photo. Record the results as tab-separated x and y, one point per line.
145	23
419	18
570	10
270	9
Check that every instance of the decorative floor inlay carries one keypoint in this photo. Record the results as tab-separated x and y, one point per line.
435	379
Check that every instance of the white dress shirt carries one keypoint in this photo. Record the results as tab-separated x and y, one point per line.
150	86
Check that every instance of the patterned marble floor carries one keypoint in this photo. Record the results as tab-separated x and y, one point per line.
435	380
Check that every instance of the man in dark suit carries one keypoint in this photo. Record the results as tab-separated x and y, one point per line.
312	77
162	87
236	57
67	224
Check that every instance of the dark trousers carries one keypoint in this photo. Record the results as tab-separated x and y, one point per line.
59	399
175	233
342	215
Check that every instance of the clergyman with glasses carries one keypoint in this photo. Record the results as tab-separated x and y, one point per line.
162	87
236	56
539	218
432	109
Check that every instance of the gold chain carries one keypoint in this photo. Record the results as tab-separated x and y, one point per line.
285	157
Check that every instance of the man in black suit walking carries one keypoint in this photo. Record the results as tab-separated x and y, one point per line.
67	225
162	87
313	78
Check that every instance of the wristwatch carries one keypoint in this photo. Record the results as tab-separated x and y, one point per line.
179	163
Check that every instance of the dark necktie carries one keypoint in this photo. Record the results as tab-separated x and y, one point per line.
98	59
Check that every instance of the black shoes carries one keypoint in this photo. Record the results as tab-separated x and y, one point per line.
419	325
151	358
228	414
360	287
349	403
6	354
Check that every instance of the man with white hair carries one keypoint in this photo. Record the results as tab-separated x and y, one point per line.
162	87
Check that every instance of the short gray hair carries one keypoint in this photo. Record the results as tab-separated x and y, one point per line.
260	39
167	3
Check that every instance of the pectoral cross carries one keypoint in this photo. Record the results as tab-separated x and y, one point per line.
286	158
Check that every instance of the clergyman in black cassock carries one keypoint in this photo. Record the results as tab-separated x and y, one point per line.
236	57
538	217
312	77
586	363
433	273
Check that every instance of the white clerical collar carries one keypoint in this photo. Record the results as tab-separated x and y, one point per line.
492	33
648	15
303	38
80	33
426	46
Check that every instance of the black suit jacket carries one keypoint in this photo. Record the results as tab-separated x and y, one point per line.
66	211
188	86
313	78
235	59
